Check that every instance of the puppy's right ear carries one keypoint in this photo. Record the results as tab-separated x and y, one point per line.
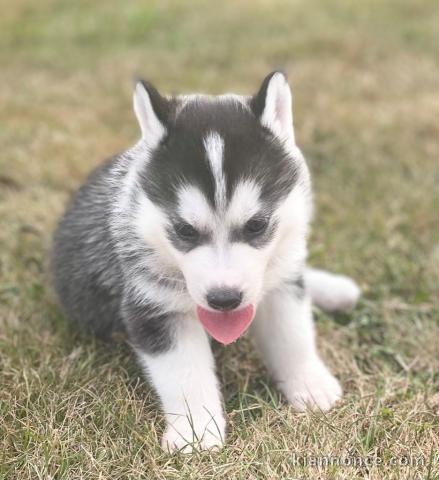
152	111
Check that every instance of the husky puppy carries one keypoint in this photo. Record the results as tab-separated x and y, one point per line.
199	231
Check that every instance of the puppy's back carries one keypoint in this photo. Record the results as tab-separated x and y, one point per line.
85	267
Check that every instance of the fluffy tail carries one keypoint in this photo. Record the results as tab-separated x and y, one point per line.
331	292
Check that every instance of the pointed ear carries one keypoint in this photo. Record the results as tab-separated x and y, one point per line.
152	111
273	106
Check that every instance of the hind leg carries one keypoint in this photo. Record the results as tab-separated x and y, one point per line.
331	292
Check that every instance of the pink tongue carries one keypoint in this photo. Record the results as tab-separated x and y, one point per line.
226	327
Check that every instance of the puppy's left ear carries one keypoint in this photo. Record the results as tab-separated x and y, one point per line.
273	106
152	111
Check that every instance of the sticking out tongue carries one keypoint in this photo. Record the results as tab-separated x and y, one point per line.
226	327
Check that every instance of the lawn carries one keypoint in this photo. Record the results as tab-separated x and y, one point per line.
365	78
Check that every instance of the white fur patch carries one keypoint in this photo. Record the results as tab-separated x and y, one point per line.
214	145
331	292
194	207
245	202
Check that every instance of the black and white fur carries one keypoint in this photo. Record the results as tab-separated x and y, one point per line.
216	194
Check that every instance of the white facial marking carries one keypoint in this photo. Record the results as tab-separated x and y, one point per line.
214	145
221	262
193	206
245	202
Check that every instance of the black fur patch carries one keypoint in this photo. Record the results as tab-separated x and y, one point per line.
185	245
149	329
163	108
297	286
239	234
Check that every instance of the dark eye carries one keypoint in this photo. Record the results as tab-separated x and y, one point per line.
186	232
256	226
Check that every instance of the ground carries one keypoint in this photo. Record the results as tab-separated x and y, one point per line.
365	77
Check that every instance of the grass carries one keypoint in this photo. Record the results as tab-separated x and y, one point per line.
365	78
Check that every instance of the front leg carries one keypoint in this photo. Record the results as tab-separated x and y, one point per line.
284	333
175	352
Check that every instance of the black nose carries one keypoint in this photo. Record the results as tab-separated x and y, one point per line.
224	298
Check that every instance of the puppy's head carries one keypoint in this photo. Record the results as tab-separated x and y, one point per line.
225	191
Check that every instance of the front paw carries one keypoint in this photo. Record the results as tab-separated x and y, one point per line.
187	434
312	386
